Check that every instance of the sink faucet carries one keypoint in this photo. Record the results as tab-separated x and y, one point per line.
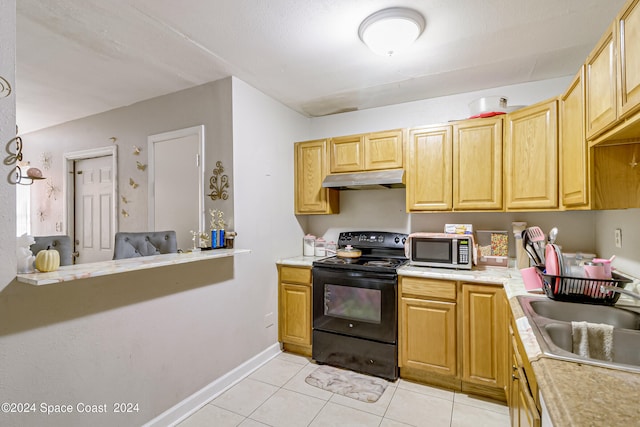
607	289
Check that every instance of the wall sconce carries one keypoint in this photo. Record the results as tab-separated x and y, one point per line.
390	30
33	174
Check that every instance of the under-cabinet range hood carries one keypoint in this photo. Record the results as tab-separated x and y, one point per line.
365	180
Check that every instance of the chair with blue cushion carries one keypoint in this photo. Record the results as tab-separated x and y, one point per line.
140	244
60	243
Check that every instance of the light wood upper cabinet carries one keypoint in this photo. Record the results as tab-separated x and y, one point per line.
617	176
310	166
600	77
372	151
383	150
347	153
294	309
574	152
628	48
477	164
483	335
531	159
429	169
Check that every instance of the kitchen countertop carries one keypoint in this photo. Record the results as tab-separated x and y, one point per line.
573	393
103	268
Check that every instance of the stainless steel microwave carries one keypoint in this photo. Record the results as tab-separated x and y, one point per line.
440	250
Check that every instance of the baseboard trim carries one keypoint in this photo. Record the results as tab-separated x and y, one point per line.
191	404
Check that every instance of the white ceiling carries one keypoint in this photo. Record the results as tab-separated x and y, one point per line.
80	57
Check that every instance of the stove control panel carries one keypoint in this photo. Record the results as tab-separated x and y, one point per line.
372	239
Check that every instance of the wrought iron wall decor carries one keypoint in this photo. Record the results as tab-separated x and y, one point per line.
219	183
16	176
5	88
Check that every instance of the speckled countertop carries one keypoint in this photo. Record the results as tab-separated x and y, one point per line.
574	394
103	268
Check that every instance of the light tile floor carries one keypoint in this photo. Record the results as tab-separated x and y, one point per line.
277	395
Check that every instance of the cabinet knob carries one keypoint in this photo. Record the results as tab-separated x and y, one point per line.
514	378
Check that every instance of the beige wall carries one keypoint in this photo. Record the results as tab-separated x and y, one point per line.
7	132
157	337
208	104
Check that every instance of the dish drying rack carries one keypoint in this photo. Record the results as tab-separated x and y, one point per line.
581	289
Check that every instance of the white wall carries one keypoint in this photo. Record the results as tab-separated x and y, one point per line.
628	220
263	162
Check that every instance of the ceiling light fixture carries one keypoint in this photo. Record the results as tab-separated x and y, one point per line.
390	30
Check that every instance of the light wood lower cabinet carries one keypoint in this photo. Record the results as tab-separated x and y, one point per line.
428	332
522	389
295	309
453	334
483	336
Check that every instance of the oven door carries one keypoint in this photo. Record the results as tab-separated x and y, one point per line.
355	303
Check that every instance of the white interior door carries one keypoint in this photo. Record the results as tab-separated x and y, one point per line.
176	198
93	206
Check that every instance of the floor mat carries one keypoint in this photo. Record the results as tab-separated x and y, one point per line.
347	383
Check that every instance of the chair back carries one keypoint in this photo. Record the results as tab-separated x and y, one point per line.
60	243
139	244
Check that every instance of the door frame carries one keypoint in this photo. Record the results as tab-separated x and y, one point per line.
160	137
68	185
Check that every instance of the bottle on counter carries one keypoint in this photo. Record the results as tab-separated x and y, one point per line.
320	248
308	245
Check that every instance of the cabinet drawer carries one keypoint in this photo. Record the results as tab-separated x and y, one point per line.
295	275
429	288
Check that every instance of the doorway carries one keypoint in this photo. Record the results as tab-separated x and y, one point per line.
91	191
176	183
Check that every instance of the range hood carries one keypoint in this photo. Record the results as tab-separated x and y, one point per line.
393	178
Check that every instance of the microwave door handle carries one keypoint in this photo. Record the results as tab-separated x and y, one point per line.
454	249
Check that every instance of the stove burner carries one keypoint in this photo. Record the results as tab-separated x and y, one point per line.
380	263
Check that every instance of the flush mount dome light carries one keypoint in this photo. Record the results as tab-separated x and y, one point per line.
390	30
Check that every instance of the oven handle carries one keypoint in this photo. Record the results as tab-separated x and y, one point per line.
356	273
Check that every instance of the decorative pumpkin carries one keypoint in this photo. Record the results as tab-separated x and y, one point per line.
48	260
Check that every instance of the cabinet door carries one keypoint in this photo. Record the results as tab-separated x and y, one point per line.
574	163
383	150
483	335
429	171
310	165
295	314
477	164
531	165
347	154
428	335
628	25
601	85
617	176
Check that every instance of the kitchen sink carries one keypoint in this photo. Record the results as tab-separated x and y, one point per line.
569	311
551	320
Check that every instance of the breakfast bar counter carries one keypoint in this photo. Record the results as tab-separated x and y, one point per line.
96	269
